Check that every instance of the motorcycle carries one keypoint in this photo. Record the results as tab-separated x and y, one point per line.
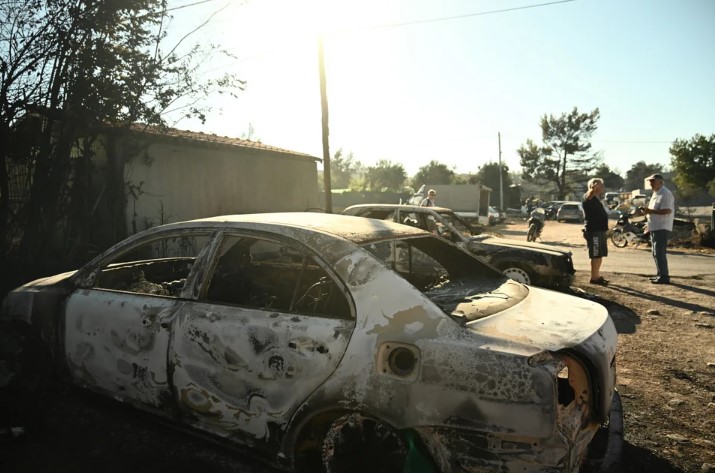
625	231
536	224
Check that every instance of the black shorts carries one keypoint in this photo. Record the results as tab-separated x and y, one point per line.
597	244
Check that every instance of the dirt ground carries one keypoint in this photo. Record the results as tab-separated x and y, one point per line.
666	369
666	379
666	362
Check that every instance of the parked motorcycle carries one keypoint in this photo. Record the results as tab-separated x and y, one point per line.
536	224
625	231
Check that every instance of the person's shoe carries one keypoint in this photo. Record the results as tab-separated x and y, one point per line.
660	281
600	281
654	278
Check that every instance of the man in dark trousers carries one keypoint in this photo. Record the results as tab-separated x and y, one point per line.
596	228
660	212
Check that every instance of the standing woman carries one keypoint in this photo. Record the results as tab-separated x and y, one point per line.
596	228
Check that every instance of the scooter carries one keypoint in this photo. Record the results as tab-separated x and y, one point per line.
536	223
625	231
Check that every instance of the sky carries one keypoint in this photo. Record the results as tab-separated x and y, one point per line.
412	81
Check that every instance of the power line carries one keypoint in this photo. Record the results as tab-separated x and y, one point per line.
407	23
189	5
631	141
449	18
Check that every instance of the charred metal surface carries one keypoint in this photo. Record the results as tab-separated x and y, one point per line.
238	370
115	343
483	370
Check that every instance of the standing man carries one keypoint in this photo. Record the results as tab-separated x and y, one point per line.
429	200
660	212
596	227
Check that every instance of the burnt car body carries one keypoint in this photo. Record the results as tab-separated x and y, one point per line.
316	337
526	262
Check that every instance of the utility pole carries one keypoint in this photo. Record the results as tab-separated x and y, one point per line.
501	189
326	147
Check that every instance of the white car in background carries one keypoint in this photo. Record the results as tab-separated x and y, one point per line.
495	216
571	211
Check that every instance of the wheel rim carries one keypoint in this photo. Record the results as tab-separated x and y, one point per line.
517	274
618	239
356	443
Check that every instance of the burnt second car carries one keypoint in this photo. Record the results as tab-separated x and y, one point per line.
529	263
329	343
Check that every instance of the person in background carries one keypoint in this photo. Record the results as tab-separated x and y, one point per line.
596	228
429	200
660	212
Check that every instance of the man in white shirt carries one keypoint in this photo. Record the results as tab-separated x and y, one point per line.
660	212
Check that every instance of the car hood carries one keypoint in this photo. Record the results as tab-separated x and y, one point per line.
515	244
544	320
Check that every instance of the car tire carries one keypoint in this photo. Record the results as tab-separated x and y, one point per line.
356	444
517	273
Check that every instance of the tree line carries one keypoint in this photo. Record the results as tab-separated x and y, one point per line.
563	161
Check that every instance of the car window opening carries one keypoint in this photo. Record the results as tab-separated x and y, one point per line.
159	267
273	276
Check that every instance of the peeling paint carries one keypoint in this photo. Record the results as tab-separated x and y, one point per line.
486	372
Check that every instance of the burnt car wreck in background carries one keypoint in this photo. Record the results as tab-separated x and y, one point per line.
329	341
528	263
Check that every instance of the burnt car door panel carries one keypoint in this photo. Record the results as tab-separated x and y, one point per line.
118	330
272	324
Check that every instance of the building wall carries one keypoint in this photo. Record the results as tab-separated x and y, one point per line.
179	181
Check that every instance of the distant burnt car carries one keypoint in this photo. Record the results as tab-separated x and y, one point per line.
528	263
327	342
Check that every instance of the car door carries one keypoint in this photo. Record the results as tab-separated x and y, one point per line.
117	329
271	325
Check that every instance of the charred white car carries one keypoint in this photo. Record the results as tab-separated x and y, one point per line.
333	342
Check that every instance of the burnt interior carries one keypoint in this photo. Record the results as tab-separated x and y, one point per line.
164	277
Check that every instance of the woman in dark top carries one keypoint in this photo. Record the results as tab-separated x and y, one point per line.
596	227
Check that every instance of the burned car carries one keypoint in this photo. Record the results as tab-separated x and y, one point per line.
330	342
528	263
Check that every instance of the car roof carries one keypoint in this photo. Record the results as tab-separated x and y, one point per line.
401	206
355	229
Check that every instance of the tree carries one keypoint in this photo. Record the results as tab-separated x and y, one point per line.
612	179
70	70
638	172
564	153
385	175
433	173
342	169
693	163
488	175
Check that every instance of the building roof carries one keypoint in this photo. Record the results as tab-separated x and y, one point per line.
199	138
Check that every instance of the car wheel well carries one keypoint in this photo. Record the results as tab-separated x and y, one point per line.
321	439
308	445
